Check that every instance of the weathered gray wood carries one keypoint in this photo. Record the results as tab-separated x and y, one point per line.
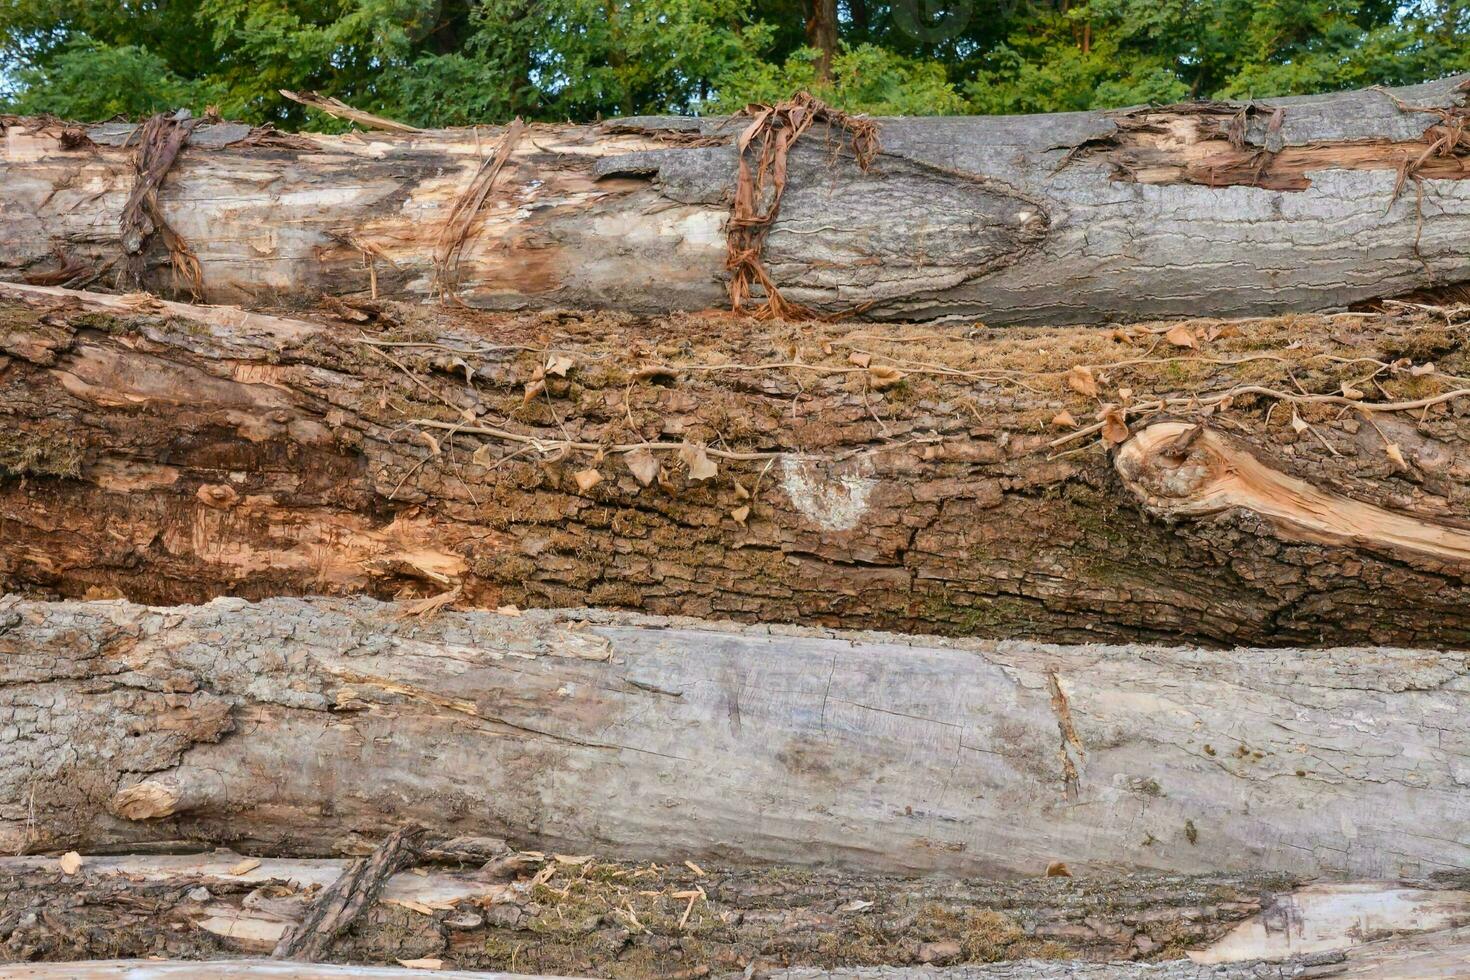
296	726
1077	217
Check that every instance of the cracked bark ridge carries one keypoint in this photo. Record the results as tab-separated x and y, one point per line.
1301	208
255	455
305	727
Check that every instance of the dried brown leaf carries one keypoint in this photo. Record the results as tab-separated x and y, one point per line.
882	376
1297	424
643	465
1080	379
559	365
71	863
1397	455
859	359
1115	427
1057	869
533	388
740	513
1064	420
1348	391
1420	370
1181	336
424	963
587	479
701	467
429	441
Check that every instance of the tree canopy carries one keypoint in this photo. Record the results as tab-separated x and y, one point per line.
450	62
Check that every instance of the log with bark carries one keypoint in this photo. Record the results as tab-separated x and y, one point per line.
309	727
1281	481
1204	208
578	915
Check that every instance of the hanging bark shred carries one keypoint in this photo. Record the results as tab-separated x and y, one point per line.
462	215
348	897
162	139
772	132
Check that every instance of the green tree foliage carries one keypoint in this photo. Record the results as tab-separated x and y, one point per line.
454	62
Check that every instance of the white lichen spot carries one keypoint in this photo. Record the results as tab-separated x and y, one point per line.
832	501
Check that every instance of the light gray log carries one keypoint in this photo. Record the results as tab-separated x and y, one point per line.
295	726
1075	217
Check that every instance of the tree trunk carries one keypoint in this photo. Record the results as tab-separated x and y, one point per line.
600	918
933	478
1305	204
309	726
821	34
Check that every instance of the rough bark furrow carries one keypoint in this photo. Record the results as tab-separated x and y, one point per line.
310	727
169	453
1074	217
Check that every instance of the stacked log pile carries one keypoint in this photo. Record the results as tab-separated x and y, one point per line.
474	596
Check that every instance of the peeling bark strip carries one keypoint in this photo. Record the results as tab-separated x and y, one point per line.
977	217
170	453
299	726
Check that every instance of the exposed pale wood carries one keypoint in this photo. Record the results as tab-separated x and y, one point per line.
1075	217
295	726
169	453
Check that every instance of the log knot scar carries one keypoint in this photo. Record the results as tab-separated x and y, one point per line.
831	499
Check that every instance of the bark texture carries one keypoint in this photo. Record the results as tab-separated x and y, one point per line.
303	727
935	478
1305	204
585	916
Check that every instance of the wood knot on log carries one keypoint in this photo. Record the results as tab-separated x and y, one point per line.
1213	475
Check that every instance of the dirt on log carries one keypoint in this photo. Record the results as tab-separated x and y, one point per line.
1305	203
305	727
1298	480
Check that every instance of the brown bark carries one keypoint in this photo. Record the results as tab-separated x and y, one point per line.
602	918
173	453
821	34
1305	204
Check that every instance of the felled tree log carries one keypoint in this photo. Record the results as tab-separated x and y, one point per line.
304	726
583	916
934	479
1200	209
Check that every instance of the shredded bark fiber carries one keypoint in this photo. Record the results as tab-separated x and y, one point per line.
773	131
462	215
162	139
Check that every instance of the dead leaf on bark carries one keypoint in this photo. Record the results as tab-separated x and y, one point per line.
1064	420
244	867
559	365
861	360
574	860
71	863
587	479
1181	336
642	465
426	963
533	388
1297	424
1397	455
1115	427
1348	391
1420	370
740	492
1058	869
701	467
483	456
882	376
1080	379
429	441
740	514
508	610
